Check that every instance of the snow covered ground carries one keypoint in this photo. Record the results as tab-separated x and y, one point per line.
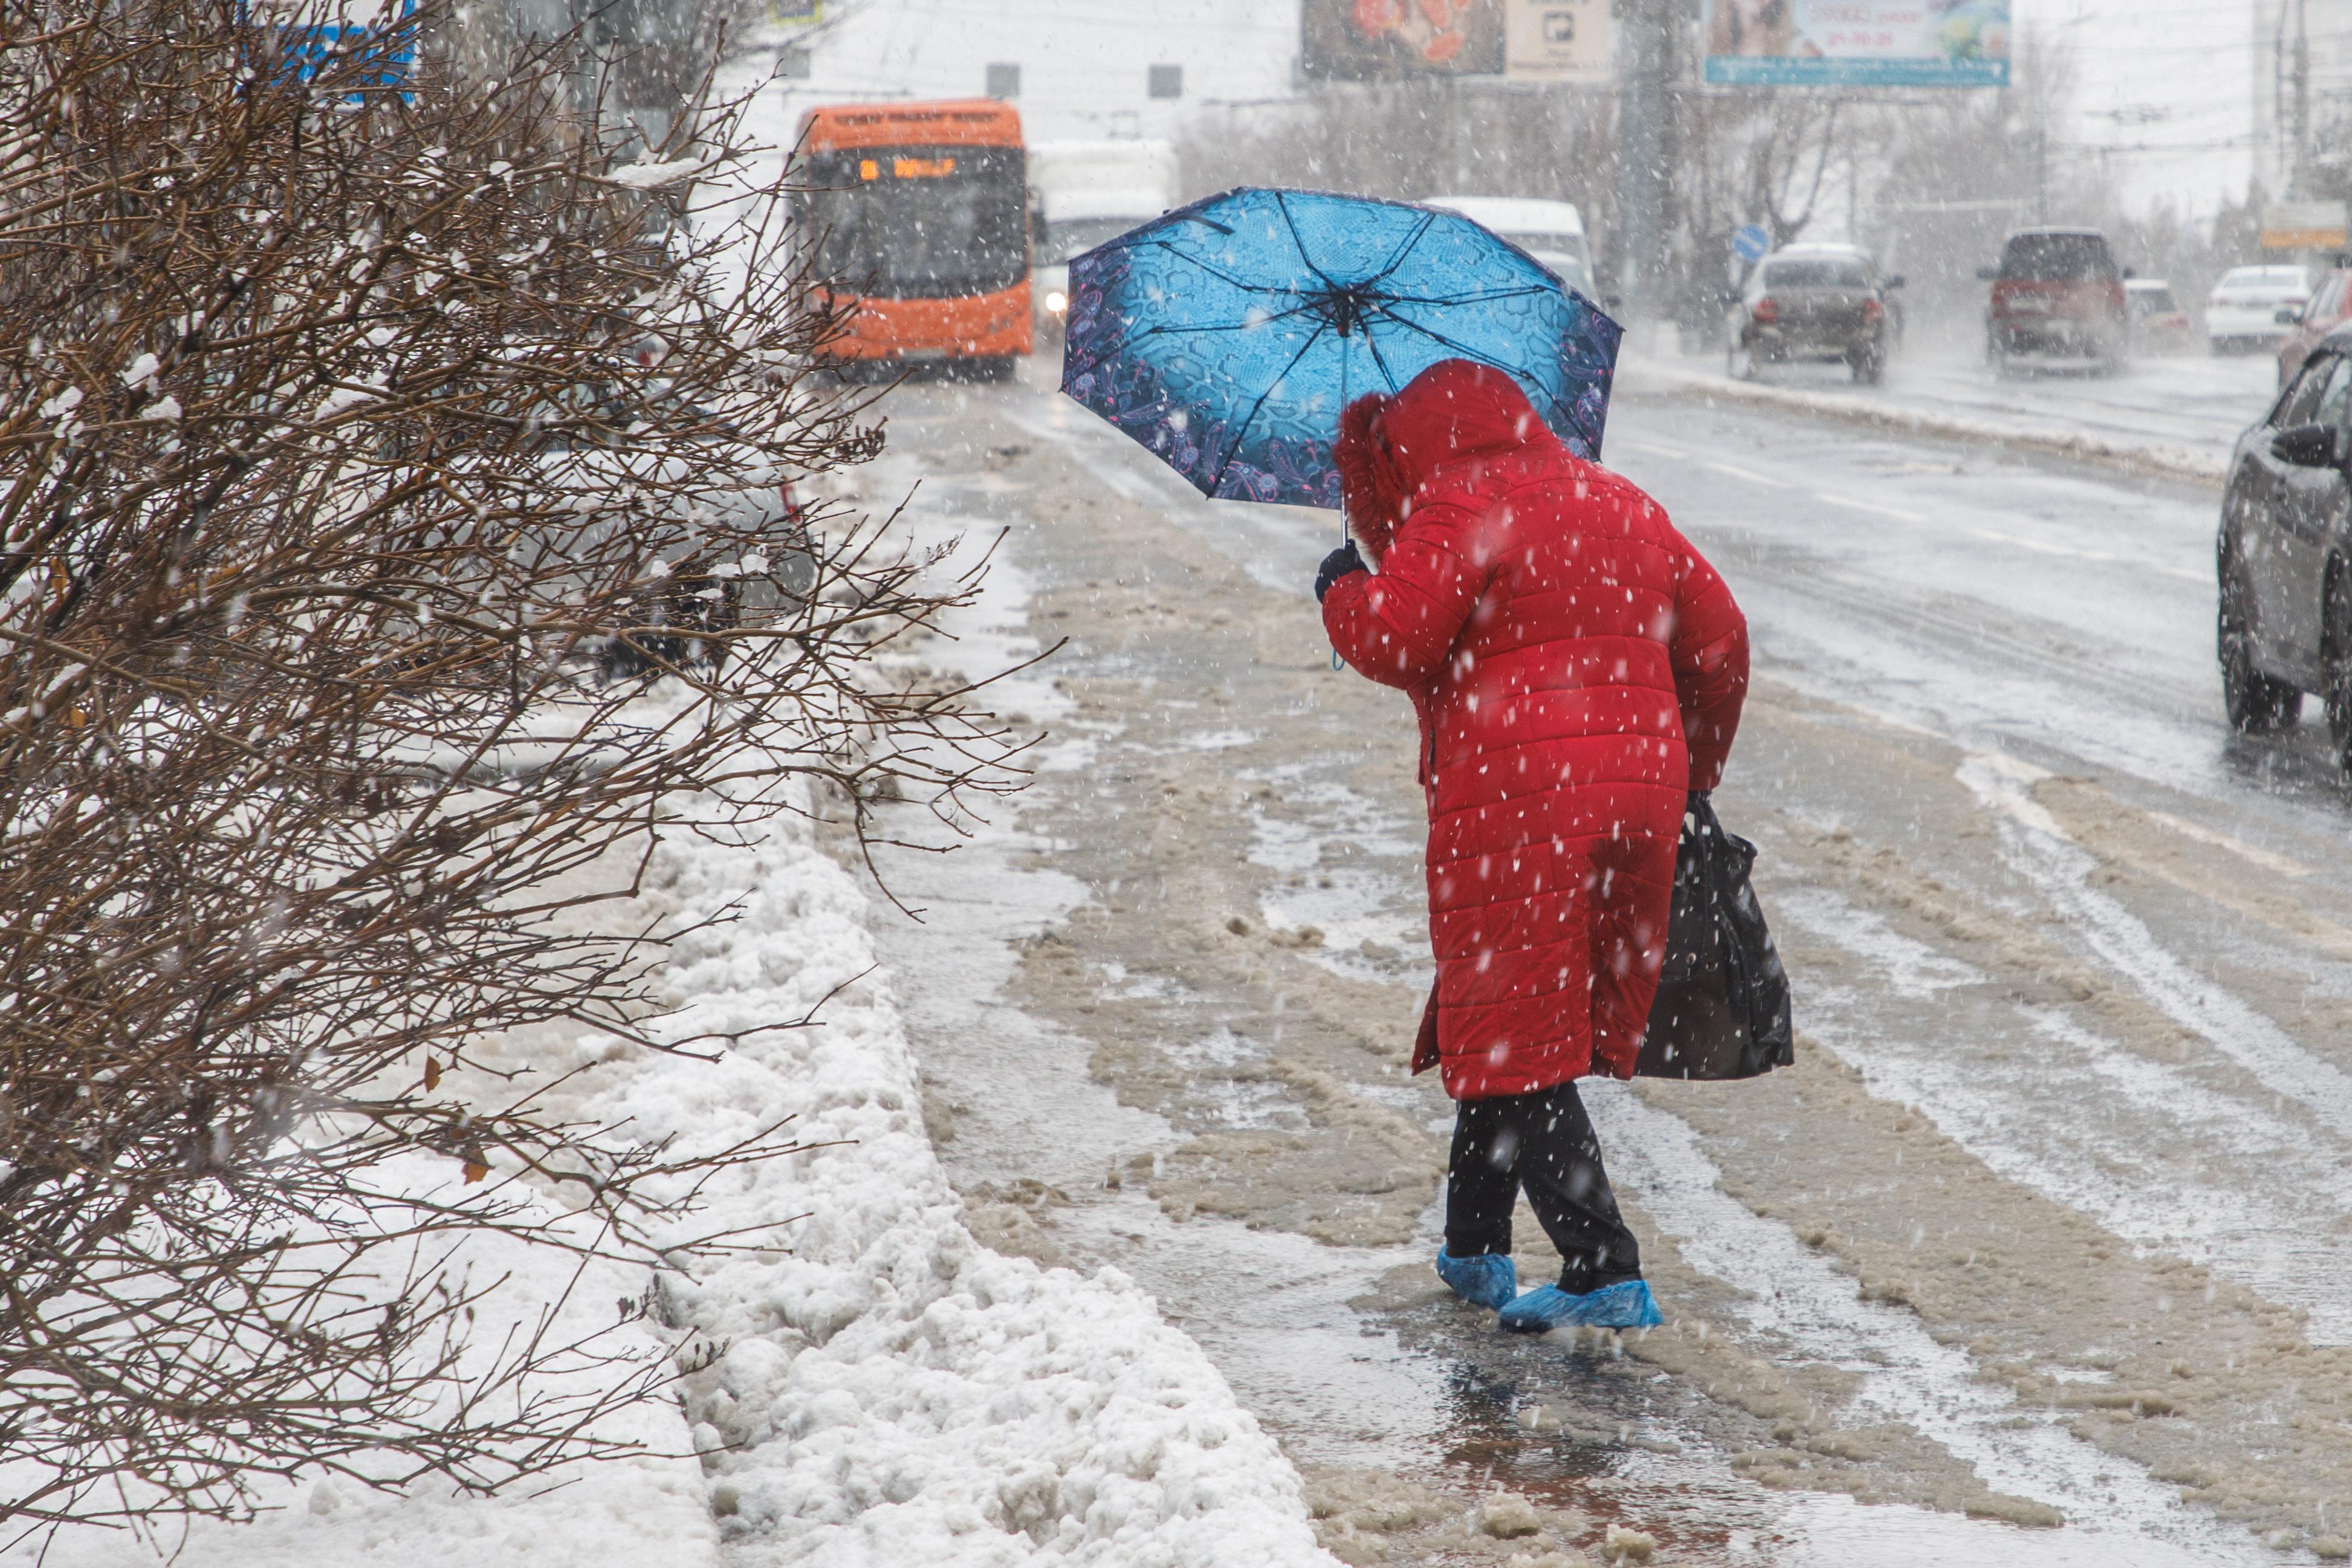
880	1389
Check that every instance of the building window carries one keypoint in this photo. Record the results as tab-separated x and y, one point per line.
1166	81
792	63
1004	80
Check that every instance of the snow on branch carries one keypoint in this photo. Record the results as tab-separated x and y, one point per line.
394	539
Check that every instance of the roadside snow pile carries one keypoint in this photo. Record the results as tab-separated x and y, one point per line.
587	1514
891	1392
2156	458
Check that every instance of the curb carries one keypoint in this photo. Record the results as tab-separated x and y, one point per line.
2174	463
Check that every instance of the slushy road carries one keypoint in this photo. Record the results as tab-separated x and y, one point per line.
2049	1223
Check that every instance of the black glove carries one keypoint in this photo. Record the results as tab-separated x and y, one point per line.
1341	562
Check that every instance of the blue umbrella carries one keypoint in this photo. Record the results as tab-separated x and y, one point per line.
1226	336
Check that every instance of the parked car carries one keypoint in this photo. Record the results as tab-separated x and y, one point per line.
2158	324
2283	554
2254	307
2057	293
2329	306
1813	303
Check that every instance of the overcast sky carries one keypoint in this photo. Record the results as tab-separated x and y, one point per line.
2167	86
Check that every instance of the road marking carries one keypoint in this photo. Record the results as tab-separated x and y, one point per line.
1897	513
2108	557
1750	475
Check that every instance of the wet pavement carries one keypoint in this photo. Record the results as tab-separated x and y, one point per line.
1162	1002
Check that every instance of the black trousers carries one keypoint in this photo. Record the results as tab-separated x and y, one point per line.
1544	1142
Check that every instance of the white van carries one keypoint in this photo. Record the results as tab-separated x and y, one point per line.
1551	232
1087	193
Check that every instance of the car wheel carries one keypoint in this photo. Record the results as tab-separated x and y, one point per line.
1739	362
2256	704
1868	364
2336	665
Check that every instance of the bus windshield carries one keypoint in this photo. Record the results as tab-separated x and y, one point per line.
916	222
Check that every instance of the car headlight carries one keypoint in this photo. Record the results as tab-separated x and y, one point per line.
1056	301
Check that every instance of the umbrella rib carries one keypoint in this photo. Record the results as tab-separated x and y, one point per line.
1466	351
1226	326
1287	222
1241	432
1403	249
1373	347
1466	299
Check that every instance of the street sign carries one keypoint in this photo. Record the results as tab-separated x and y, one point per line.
1568	41
1750	242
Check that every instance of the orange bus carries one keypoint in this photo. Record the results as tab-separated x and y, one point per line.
919	213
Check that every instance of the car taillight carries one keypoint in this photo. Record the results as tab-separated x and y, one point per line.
792	507
1768	309
1872	311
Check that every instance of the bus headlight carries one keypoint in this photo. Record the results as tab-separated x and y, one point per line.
1056	301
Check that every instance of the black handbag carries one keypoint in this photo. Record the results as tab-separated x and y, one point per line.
1722	1008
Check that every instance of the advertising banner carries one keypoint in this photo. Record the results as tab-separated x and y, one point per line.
1857	43
2303	225
1388	40
1566	41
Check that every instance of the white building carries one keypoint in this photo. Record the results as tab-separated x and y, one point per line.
1075	69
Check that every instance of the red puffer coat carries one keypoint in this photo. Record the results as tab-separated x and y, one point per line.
1577	668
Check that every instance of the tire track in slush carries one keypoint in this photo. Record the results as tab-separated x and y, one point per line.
2041	849
2261	1235
1790	1290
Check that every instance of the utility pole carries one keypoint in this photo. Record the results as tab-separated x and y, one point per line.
2299	176
1457	132
1645	151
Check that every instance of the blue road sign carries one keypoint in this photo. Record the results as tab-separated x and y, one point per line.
1750	242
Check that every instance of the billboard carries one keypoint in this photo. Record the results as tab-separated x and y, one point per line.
1857	43
2303	225
1387	40
1566	41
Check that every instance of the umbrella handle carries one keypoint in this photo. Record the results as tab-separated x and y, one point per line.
1335	658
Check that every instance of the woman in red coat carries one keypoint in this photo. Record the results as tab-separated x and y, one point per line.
1578	669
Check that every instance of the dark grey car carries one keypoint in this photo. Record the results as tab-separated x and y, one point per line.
2285	555
1813	302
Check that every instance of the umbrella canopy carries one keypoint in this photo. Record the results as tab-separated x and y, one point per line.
1226	336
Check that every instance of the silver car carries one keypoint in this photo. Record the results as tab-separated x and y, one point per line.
1813	302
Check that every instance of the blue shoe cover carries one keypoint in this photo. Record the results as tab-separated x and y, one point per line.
1625	1305
1490	1279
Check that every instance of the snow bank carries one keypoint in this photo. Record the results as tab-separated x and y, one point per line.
891	1392
887	1391
584	1515
2153	458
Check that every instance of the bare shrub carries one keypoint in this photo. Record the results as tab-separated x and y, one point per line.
390	528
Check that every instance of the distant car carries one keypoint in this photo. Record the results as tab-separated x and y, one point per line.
2254	307
1813	302
2158	324
2058	294
2283	554
2330	307
1552	232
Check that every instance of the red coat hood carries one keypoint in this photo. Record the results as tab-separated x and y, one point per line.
1389	446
